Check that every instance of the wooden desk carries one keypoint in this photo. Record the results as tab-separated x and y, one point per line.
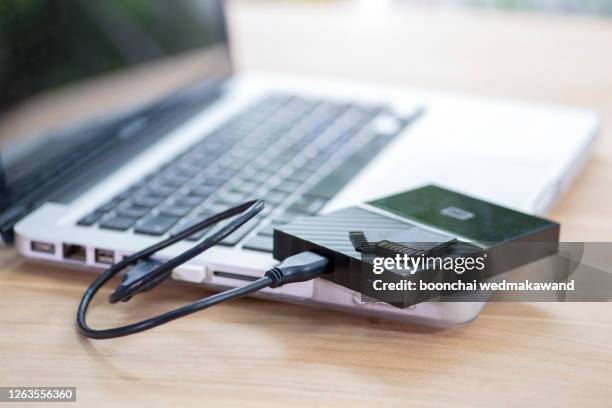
260	353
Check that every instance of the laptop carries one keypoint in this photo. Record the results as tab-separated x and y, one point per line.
122	125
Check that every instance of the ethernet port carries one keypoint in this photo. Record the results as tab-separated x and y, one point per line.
75	252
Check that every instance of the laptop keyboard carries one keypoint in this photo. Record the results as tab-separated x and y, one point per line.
294	153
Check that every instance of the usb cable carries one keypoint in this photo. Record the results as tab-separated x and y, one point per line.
146	274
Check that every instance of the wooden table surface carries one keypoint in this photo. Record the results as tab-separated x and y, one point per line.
260	353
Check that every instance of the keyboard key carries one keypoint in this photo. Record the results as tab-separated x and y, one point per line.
286	217
260	243
232	198
164	190
134	211
127	193
119	223
338	178
288	186
108	206
175	180
241	232
214	208
313	164
90	218
239	151
275	165
247	187
203	190
157	225
176	210
308	204
237	163
189	201
148	200
185	171
300	176
275	197
216	180
261	177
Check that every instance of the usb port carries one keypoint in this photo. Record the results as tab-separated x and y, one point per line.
104	256
44	247
75	252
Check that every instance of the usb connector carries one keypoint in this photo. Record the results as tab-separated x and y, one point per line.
298	268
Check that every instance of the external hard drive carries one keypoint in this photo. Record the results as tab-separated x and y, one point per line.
419	223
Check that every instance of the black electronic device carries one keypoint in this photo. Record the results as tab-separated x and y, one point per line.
425	221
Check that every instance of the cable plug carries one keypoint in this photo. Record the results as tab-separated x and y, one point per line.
132	282
298	268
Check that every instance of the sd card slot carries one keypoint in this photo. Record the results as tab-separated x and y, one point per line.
238	276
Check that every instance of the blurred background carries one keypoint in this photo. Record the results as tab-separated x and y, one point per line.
554	51
57	42
564	6
105	28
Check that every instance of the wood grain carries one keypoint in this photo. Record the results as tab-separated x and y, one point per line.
259	353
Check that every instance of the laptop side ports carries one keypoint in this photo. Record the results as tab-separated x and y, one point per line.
104	256
42	247
75	252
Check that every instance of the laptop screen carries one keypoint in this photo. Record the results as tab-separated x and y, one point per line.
64	62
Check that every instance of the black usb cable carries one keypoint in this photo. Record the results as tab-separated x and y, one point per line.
146	274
